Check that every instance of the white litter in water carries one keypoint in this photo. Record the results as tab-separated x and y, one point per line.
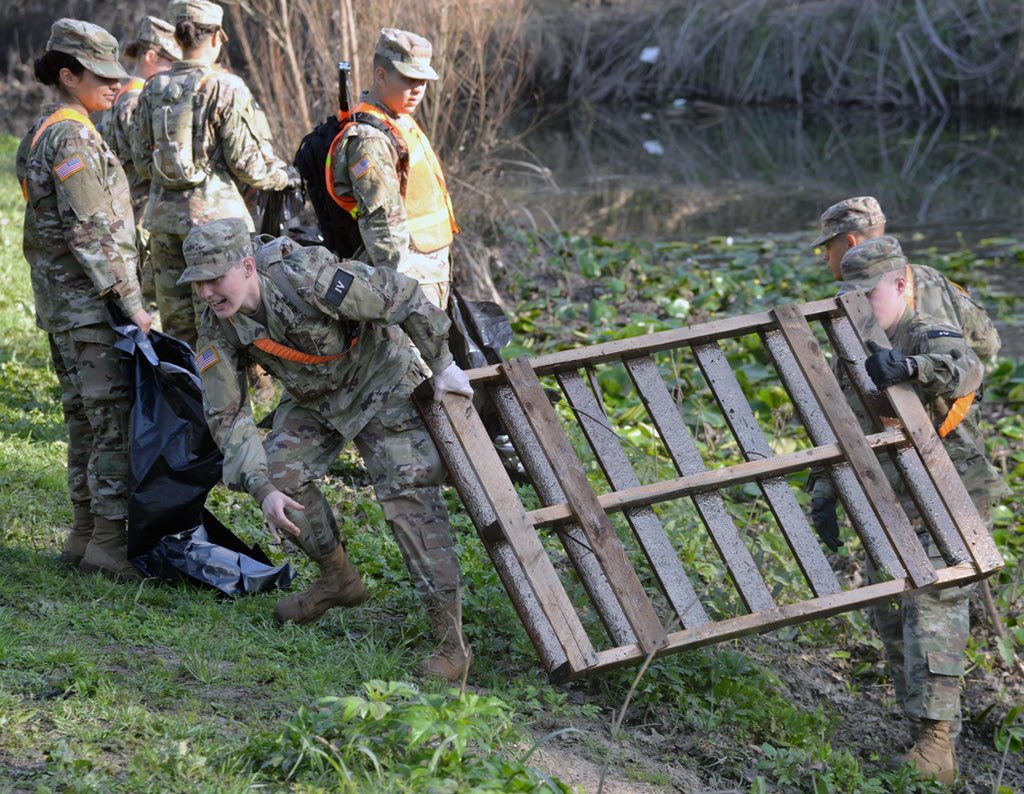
654	147
650	54
728	240
679	103
646	116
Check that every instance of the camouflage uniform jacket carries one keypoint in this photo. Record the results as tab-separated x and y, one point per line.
117	128
79	235
348	392
948	368
939	298
235	142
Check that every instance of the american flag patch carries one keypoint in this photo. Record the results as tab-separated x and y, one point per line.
70	166
361	167
206	359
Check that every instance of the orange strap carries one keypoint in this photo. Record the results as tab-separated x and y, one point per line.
908	291
135	84
64	114
268	345
956	414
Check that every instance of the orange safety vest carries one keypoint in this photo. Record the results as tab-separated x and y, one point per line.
64	114
958	410
428	206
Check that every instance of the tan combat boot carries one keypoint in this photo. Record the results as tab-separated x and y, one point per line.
339	585
78	538
933	754
107	552
453	656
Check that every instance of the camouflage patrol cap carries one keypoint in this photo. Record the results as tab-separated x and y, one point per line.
202	12
864	265
849	216
94	48
160	34
408	52
212	249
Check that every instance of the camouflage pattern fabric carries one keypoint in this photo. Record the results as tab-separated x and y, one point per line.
362	396
96	398
937	297
180	310
79	234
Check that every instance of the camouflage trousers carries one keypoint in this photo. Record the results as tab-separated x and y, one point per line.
146	280
96	401
406	471
925	637
179	309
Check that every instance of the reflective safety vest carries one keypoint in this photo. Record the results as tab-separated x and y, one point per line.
64	114
958	410
428	207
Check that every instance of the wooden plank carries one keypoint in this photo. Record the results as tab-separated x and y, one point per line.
777	492
710	506
645	524
848	434
782	616
574	541
522	538
858	508
710	480
509	569
926	497
909	410
581	498
620	349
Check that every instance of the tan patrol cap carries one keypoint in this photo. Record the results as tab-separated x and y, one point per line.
212	249
864	265
160	34
408	52
94	48
849	216
202	12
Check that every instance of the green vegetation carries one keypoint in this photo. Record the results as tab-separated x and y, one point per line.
108	687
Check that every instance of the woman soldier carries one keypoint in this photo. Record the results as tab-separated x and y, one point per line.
79	241
198	134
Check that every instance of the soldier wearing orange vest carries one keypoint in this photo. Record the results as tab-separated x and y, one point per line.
383	170
154	51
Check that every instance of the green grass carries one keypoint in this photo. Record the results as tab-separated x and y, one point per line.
111	687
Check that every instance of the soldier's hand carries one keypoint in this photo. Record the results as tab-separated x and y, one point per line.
452	381
142	319
274	505
826	522
294	179
887	366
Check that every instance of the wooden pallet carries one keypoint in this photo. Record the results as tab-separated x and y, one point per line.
631	594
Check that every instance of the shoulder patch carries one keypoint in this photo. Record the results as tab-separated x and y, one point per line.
360	168
69	167
340	285
206	359
939	332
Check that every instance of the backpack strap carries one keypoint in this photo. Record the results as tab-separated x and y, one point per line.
347	201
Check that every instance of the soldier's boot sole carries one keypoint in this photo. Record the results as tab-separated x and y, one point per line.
339	585
107	552
79	536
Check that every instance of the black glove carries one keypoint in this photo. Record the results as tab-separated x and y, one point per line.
294	179
826	523
887	366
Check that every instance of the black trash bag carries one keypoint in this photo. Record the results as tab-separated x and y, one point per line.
173	460
210	555
478	332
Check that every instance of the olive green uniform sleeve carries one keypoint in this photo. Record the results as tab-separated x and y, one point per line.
245	139
351	290
950	368
228	413
369	172
103	242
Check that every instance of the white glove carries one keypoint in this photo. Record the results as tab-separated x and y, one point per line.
452	381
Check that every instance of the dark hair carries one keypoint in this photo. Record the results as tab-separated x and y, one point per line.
48	65
136	50
380	62
191	34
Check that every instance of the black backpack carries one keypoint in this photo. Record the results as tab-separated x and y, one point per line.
338	228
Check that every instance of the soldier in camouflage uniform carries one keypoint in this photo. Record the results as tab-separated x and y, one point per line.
194	177
154	50
79	240
384	170
925	635
855	220
337	335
